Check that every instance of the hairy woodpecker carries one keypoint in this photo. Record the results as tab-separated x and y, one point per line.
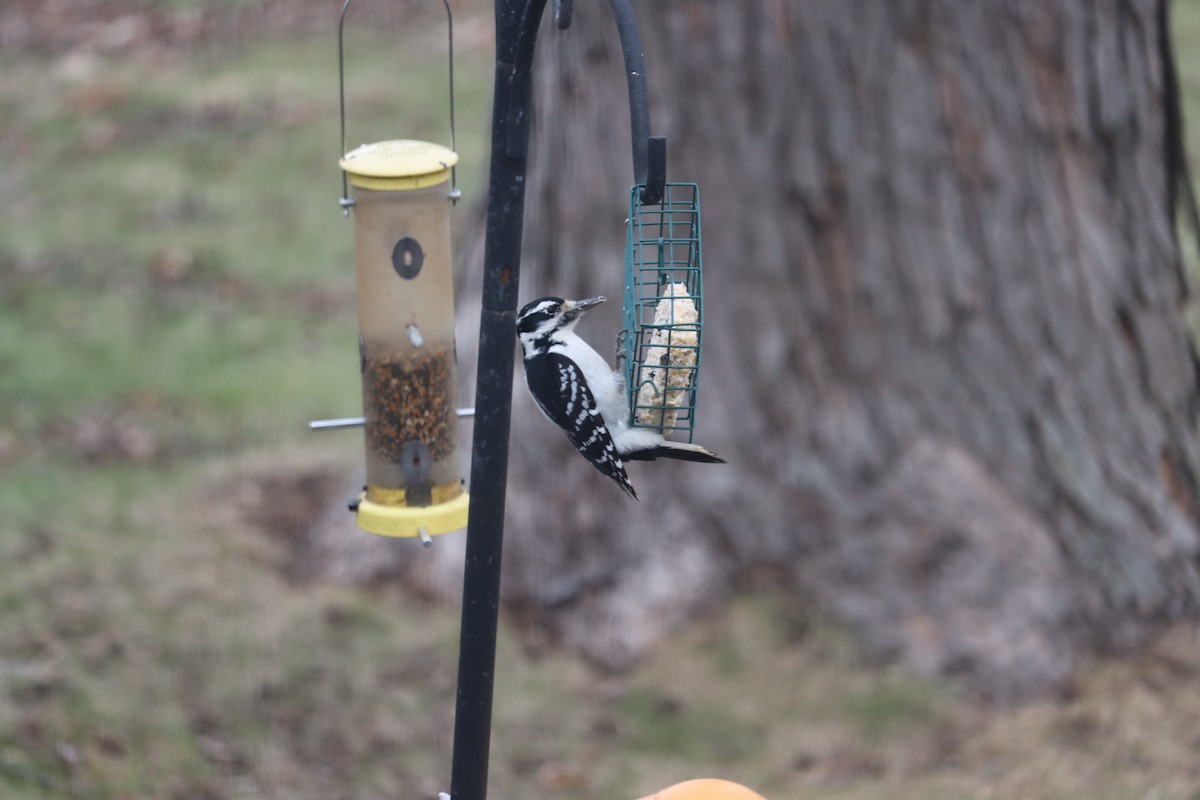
577	390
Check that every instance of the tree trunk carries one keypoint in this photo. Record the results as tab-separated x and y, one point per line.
945	352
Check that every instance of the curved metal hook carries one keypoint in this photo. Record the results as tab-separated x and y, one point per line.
649	152
346	202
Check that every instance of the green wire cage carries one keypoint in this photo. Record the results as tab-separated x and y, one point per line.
664	312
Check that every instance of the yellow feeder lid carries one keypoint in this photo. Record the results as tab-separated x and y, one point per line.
398	164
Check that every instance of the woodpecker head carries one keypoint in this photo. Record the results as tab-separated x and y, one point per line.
540	319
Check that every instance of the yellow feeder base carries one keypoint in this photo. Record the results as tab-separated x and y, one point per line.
405	521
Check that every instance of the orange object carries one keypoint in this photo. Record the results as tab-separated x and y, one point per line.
706	789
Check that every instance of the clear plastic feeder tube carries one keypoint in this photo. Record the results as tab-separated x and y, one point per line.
406	322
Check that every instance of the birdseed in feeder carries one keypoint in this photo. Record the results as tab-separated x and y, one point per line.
409	400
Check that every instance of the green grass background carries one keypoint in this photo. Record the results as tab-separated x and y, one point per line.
176	302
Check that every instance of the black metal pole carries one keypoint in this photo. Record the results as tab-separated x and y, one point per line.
493	411
517	23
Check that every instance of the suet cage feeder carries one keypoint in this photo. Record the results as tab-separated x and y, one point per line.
664	309
401	195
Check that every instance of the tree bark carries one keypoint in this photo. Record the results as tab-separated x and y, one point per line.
945	352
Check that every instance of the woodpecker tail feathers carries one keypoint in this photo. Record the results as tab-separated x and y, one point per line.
677	450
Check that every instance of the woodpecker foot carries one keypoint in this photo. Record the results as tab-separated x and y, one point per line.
619	353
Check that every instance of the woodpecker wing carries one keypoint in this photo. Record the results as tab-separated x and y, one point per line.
558	388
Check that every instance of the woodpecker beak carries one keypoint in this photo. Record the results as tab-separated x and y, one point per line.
575	308
584	305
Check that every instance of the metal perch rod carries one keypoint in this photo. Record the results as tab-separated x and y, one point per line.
358	422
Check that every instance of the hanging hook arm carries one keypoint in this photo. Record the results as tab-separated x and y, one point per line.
455	192
649	152
346	202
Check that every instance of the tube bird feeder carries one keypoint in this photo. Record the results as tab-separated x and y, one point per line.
406	338
405	291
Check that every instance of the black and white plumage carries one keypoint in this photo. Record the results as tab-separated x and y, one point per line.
579	392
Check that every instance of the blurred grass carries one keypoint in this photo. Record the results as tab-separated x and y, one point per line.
176	299
176	302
